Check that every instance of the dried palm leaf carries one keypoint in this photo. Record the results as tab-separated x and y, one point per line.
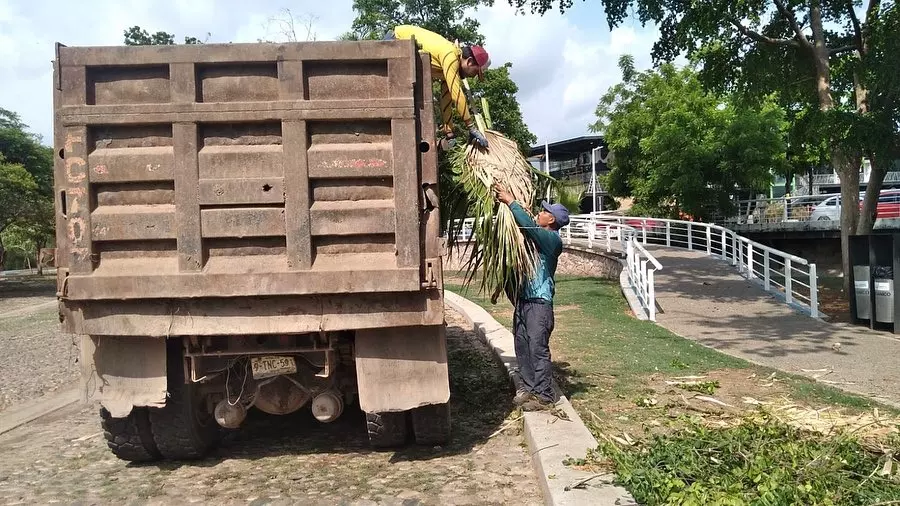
500	251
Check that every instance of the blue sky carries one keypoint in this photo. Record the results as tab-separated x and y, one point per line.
562	63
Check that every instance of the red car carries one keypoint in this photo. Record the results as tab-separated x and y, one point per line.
888	205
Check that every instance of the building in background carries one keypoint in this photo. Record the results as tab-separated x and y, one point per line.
570	163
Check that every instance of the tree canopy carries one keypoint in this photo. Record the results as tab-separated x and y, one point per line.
26	185
500	91
137	36
681	149
831	61
446	17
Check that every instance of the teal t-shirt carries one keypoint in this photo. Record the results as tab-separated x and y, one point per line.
549	245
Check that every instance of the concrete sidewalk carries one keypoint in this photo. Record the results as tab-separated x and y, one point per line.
706	300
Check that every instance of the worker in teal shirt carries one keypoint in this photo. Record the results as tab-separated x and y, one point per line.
533	316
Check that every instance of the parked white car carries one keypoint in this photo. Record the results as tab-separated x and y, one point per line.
828	209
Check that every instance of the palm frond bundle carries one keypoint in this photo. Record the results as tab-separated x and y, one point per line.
499	250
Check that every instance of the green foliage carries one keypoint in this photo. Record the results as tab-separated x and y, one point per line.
15	183
500	90
680	148
760	461
447	17
26	184
137	36
703	387
19	146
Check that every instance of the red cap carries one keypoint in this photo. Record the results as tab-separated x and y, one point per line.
481	58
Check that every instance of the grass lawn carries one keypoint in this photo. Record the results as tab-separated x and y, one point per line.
620	374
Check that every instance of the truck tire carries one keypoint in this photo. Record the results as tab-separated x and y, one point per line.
431	424
130	438
183	429
386	429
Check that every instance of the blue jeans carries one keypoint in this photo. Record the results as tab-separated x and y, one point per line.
533	323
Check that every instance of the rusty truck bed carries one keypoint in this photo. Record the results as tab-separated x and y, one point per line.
287	178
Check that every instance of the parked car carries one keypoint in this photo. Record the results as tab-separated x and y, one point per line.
828	210
888	205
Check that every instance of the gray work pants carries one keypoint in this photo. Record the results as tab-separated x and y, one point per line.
532	325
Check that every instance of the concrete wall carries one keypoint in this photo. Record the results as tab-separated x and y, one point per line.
573	262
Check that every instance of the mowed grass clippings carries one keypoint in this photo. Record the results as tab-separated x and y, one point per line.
642	390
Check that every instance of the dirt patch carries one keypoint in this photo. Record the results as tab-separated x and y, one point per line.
37	358
17	293
719	395
833	302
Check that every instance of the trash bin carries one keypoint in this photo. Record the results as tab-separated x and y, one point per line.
861	287
884	294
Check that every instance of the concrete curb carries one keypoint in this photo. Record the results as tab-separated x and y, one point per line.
550	439
16	416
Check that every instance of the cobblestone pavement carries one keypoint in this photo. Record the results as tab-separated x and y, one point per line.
293	459
35	357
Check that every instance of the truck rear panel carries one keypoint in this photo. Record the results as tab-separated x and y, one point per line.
286	177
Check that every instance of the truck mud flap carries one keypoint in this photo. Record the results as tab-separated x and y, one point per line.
401	368
124	372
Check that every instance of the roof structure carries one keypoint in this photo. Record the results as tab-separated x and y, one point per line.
567	149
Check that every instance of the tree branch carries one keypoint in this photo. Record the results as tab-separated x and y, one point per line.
871	13
857	29
758	37
842	49
789	15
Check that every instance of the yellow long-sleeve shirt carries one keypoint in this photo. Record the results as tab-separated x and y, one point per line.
445	60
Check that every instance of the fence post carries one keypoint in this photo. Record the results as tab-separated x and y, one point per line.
708	240
724	247
569	234
690	237
651	304
766	270
788	295
668	233
734	250
813	292
608	242
591	230
750	259
644	230
785	208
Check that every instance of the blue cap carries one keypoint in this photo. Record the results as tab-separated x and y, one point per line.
559	212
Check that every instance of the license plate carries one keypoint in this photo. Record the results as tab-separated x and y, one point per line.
266	367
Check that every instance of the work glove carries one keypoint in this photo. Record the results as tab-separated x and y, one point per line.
477	136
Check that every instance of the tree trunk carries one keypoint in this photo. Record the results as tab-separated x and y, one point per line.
820	56
849	174
873	189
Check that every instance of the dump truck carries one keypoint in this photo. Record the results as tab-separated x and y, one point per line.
247	226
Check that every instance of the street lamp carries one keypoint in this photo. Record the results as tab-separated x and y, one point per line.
594	178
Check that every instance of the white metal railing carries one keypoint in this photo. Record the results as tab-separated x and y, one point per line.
801	208
793	277
640	264
641	267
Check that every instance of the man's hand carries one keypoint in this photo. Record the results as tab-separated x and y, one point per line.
475	134
503	194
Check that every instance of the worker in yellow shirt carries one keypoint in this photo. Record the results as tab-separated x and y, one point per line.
450	64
